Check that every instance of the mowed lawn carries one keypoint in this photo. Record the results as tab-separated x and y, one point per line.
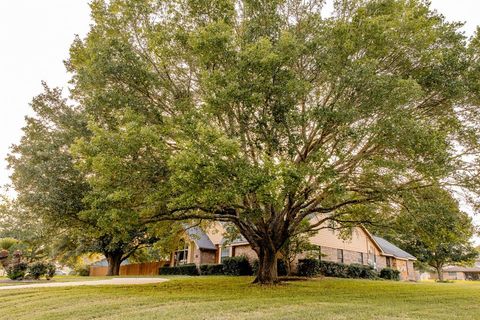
236	298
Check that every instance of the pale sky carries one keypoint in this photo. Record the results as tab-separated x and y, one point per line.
35	37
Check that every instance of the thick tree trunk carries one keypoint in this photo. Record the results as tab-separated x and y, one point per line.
114	261
267	267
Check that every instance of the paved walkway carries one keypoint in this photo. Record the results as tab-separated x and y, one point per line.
114	281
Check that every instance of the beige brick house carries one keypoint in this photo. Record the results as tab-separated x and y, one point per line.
209	247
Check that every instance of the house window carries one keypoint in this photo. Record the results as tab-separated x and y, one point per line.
225	253
360	258
389	263
181	255
340	255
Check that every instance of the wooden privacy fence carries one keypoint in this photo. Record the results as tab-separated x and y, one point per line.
138	269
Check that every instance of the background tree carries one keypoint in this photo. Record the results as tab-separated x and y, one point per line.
270	113
56	196
431	226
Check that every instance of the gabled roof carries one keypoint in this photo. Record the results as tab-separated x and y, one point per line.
200	238
389	249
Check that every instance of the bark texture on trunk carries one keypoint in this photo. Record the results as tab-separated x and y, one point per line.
267	267
114	261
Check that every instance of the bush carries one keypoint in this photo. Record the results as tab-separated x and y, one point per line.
355	271
314	267
17	271
186	269
82	271
333	269
36	270
282	268
308	267
211	269
361	271
390	274
51	268
237	266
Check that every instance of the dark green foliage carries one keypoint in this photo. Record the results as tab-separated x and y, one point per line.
237	266
282	269
186	269
333	269
36	270
315	267
50	271
211	269
308	267
17	271
361	271
390	274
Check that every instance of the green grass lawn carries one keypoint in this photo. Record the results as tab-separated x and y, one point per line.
4	281
236	298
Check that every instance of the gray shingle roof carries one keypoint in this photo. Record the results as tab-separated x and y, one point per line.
200	238
391	249
461	269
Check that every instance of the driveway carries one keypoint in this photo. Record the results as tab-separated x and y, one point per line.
114	281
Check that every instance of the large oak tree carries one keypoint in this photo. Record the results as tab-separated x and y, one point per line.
271	113
267	113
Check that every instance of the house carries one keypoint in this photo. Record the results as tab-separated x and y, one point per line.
209	246
458	273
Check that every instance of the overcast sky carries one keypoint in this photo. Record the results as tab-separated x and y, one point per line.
34	41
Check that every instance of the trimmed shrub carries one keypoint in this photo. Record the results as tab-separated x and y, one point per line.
211	269
333	269
36	270
17	271
355	271
186	269
390	274
237	266
361	271
308	267
314	267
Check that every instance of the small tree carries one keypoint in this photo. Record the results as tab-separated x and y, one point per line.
431	227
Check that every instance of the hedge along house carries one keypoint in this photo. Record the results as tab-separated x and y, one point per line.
210	247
